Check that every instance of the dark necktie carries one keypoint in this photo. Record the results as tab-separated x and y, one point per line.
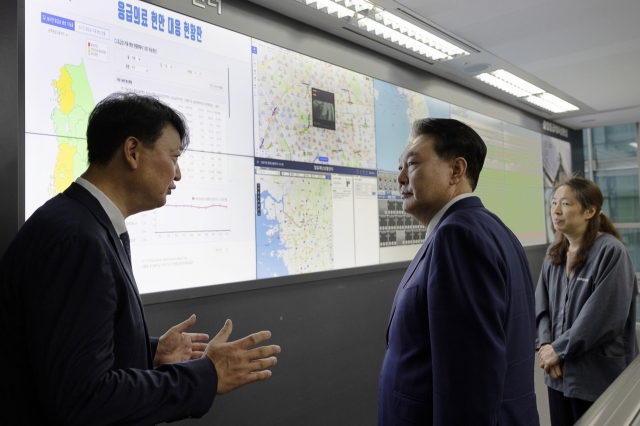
124	237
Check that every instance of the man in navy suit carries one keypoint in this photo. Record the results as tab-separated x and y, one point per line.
461	337
76	349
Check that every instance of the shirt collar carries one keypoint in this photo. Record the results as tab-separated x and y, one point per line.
114	213
438	216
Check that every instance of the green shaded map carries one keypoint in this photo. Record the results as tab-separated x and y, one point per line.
75	103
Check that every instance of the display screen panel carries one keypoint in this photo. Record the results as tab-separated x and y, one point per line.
293	162
77	54
396	110
204	235
311	221
557	168
311	111
510	184
401	235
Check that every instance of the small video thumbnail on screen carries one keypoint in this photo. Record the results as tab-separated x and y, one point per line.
323	109
397	228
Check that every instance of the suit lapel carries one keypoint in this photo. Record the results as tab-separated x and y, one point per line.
461	204
83	196
77	192
407	276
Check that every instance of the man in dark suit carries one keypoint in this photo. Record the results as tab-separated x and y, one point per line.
76	349
461	337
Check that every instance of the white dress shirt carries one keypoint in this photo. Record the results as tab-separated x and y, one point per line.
114	213
438	216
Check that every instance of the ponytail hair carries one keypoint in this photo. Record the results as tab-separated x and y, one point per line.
588	195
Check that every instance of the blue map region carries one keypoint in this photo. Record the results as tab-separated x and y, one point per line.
268	264
392	125
392	122
438	108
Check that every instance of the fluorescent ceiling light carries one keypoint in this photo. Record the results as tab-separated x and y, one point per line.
517	81
400	25
508	82
502	85
537	101
520	88
356	5
401	40
557	101
375	20
346	9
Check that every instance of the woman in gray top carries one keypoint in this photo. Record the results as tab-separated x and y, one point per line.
585	303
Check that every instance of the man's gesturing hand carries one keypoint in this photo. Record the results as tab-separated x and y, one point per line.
235	363
177	346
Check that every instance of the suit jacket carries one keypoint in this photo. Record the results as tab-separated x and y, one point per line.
76	349
461	337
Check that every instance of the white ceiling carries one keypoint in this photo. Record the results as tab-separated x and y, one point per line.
588	49
585	51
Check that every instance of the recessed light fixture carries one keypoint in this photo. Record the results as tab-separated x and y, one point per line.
375	20
518	82
520	88
502	85
545	104
559	102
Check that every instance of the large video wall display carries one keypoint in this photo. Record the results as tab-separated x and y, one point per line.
557	168
311	111
510	183
293	162
77	53
396	108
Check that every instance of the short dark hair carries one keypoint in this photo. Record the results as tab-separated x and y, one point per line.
453	139
122	115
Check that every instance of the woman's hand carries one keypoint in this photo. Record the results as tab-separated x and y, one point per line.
548	356
550	362
555	372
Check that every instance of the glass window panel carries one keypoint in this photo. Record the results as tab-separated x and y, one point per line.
631	239
614	142
621	195
585	143
615	151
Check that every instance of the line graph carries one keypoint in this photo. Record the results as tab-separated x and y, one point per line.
200	203
192	218
205	211
206	206
190	206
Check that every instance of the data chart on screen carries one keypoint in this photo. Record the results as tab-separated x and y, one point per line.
205	232
401	235
77	53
